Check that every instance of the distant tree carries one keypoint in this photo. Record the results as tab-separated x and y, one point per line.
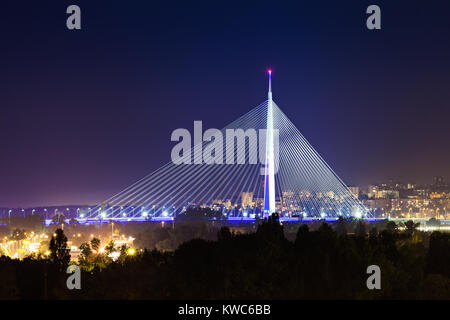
360	229
271	229
85	249
85	253
341	226
381	224
391	227
59	253
373	236
388	244
33	222
326	232
302	234
411	227
58	218
438	257
123	253
95	244
109	247
433	222
224	234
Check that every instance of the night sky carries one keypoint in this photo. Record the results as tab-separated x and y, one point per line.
85	113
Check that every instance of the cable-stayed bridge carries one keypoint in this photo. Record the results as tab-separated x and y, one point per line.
257	165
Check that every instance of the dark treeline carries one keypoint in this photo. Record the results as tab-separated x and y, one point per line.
325	263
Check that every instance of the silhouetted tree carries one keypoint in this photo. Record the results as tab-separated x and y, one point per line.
224	234
319	264
59	253
433	222
438	257
95	244
85	253
271	229
391	227
109	247
341	226
411	227
360	229
302	234
373	236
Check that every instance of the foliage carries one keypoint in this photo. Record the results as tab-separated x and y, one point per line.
95	244
320	263
59	253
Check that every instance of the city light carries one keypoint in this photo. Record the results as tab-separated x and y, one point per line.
114	255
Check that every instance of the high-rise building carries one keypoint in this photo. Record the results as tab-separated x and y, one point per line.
387	194
372	191
439	180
